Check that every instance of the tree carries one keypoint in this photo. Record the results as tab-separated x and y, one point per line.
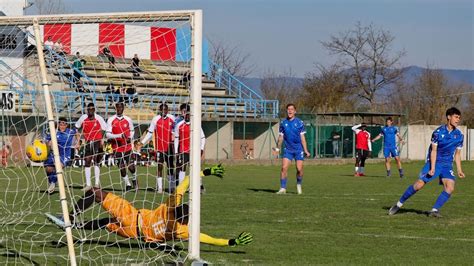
231	58
327	90
428	96
47	7
366	52
284	87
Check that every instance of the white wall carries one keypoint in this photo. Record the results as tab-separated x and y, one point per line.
12	7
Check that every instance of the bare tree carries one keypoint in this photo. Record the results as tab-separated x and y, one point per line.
284	87
327	90
231	58
366	52
428	96
46	7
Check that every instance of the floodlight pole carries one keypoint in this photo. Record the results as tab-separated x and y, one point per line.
195	169
54	140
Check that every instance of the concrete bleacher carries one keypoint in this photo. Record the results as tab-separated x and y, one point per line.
158	78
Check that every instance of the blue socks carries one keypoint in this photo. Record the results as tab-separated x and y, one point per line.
442	199
407	194
283	182
52	177
299	180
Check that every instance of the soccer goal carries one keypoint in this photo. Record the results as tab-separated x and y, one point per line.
58	74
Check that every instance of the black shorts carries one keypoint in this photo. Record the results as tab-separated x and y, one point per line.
123	157
362	154
183	159
167	157
93	148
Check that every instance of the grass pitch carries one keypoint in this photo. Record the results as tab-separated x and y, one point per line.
339	219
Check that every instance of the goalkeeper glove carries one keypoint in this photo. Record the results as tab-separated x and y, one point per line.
217	170
243	239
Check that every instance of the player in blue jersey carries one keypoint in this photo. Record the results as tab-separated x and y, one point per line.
66	138
389	134
446	144
292	133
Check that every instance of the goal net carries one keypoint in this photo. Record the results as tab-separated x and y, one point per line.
143	62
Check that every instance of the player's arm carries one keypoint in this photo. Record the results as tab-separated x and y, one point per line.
243	239
303	143
369	142
356	128
457	159
379	136
149	133
108	133
176	198
434	153
400	139
281	133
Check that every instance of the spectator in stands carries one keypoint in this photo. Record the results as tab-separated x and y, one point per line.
186	79
136	66
48	46
59	48
109	91
132	95
77	64
110	56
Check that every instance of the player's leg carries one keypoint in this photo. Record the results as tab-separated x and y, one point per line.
299	176
130	161
159	172
99	155
357	162
88	154
363	157
169	158
183	159
386	155
122	164
399	162
424	178
286	161
448	181
52	178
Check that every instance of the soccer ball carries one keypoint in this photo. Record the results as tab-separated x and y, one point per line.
38	151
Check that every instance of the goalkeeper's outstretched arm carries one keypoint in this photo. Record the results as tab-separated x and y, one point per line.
243	239
176	198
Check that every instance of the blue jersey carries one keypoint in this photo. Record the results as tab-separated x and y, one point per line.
65	141
291	130
389	133
447	142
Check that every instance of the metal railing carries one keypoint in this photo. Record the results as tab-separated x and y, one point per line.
16	80
70	103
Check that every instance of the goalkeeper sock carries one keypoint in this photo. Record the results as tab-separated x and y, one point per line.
97	175
88	176
181	176
283	182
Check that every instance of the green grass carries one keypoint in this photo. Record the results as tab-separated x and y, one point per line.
339	219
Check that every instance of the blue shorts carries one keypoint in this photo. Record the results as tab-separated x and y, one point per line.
390	152
296	155
441	171
50	161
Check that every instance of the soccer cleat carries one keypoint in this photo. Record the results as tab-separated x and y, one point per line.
57	220
281	191
361	174
299	190
86	188
158	190
434	214
51	188
128	188
393	210
135	183
356	174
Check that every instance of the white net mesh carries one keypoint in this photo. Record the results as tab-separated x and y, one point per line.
142	60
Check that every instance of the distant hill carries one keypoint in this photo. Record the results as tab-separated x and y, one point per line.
411	72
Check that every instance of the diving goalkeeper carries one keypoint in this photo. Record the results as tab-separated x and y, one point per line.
167	222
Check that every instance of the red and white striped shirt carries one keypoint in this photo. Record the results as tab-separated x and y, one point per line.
92	128
182	134
363	141
117	126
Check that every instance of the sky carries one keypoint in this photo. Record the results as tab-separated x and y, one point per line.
286	35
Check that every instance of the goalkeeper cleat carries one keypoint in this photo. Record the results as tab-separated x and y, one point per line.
57	220
299	190
393	210
281	191
51	188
